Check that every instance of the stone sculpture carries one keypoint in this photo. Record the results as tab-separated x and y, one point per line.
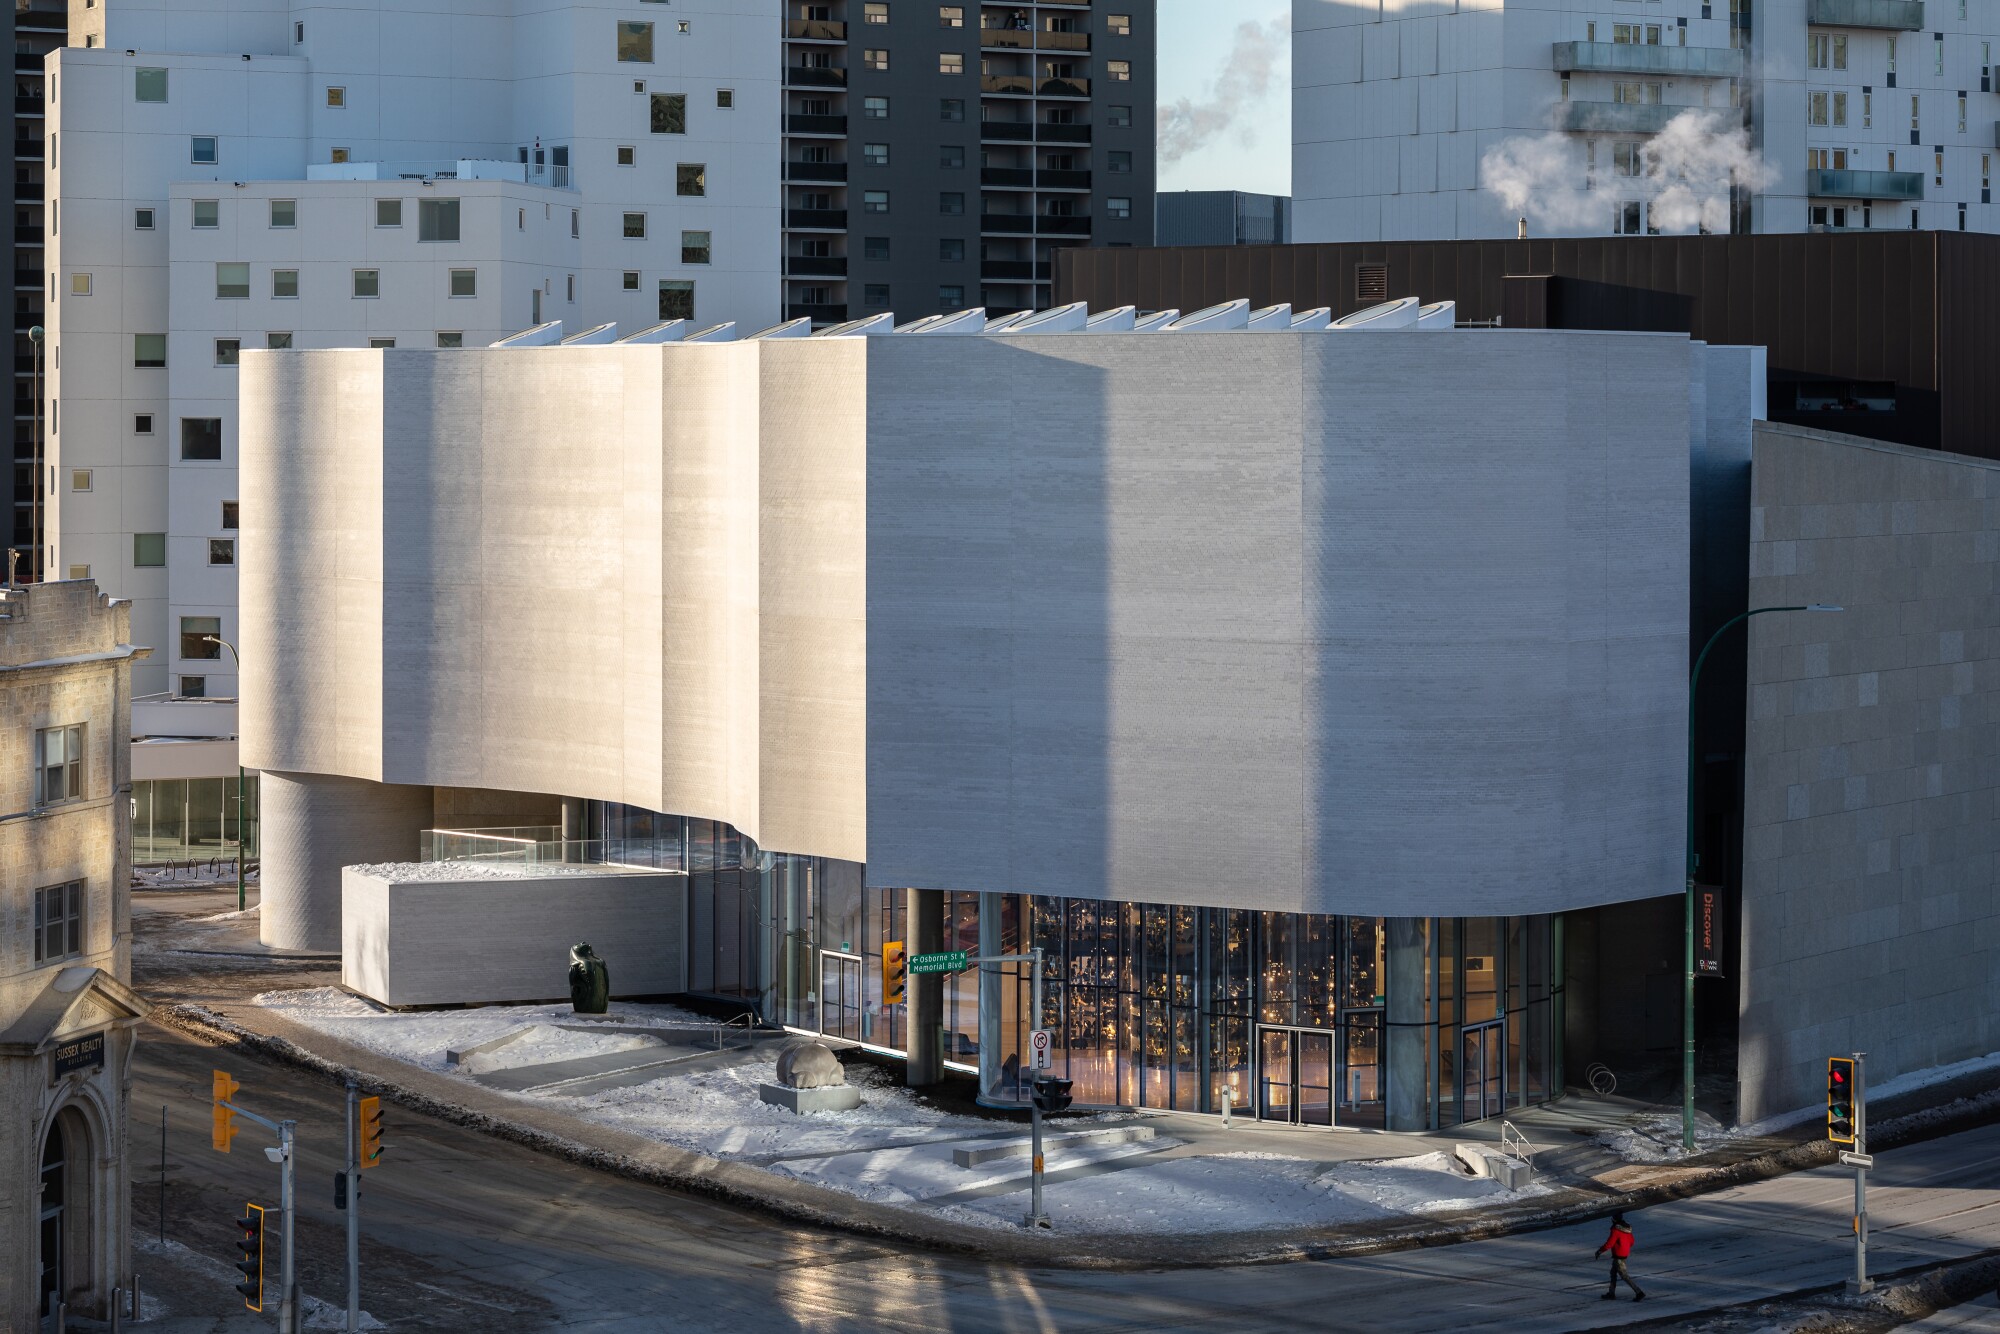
589	981
810	1065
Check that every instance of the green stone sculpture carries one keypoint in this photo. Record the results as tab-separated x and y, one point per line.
589	981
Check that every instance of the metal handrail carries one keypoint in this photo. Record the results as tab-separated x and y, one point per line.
1512	1141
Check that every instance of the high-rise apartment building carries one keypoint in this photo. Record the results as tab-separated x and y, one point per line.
298	174
1865	114
937	155
37	29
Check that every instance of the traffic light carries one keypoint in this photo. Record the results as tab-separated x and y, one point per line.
1840	1099
371	1131
895	972
224	1129
1050	1094
251	1261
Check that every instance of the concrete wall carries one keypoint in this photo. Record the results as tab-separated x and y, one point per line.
1871	921
313	825
488	938
1242	619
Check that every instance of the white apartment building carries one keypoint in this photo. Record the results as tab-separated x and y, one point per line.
412	173
1866	113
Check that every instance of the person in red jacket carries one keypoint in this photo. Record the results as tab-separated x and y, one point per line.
1619	1243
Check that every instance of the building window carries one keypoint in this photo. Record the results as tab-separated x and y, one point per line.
1119	162
630	281
1118	208
232	282
202	150
451	338
221	551
694	247
950	62
635	43
278	342
284	282
228	351
200	638
336	97
951	110
676	299
388	213
1840	108
340	155
142	423
875	58
1625	218
951	16
1961	113
1118	71
465	282
875	247
875	155
149	85
201	439
1116	115
951	249
874	201
875	12
875	294
149	351
284	212
951	157
205	214
951	297
1119	25
194	687
437	220
367	283
951	203
1627	160
725	98
58	765
79	479
59	921
670	113
628	156
142	220
381	344
83	571
874	108
149	550
1816	109
635	226
575	223
691	178
229	514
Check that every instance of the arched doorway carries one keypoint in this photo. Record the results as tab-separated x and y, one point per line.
65	1207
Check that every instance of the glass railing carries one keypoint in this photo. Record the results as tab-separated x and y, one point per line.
1713	62
542	847
1835	183
1903	15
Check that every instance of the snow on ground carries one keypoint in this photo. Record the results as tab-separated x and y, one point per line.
411	873
314	1313
1249	1192
205	871
896	1148
542	1043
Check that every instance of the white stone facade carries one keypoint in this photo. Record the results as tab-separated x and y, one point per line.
259	174
1869	113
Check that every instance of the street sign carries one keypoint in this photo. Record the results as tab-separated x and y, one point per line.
1866	1160
951	961
1042	1047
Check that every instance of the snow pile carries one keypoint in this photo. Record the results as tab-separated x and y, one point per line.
1657	1139
539	1044
413	873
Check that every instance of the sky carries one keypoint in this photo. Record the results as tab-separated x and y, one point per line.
1225	95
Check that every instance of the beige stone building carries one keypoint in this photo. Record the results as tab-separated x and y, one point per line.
66	1012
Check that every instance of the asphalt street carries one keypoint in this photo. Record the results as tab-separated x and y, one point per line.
465	1232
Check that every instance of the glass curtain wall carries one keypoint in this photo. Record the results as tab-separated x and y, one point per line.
189	819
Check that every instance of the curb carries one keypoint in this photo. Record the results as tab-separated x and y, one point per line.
754	1189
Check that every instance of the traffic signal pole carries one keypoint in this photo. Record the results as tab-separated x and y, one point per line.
1036	1218
1861	1283
353	1214
288	1271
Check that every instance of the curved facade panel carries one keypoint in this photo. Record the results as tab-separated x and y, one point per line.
1390	624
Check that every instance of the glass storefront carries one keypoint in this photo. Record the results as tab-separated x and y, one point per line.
1314	1020
191	819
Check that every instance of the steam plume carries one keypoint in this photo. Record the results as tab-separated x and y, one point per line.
1247	73
1686	172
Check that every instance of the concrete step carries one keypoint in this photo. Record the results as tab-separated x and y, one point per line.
975	1155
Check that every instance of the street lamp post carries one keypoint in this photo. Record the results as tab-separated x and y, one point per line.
241	838
1687	1017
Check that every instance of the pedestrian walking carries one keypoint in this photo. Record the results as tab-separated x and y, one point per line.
1619	1243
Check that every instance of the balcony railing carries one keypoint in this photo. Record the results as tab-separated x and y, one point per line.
1027	85
816	219
1835	183
1701	62
1059	87
1618	117
836	125
1007	177
28	148
813	76
24	63
816	266
28	192
1064	134
826	314
27	236
1062	226
1897	15
1013	271
1021	39
1052	179
1063	41
1017	224
815	30
27	106
1009	131
815	171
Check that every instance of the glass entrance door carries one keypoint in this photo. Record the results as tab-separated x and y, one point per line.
840	995
53	1189
1483	1071
1295	1072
